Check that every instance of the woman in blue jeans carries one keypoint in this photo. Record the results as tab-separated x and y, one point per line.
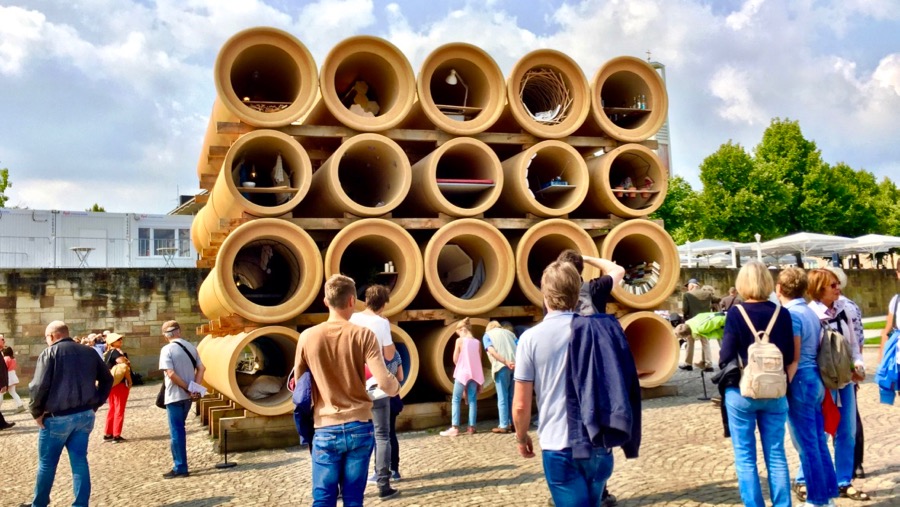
816	483
745	415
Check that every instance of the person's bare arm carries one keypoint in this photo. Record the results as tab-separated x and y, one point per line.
457	347
493	353
388	351
300	366
616	272
201	371
792	368
521	412
375	361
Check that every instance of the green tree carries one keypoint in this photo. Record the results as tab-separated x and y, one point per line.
679	211
4	184
96	208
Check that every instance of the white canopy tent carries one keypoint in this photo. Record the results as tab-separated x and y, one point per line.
707	248
805	243
871	244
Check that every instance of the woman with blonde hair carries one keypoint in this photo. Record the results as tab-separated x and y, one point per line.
468	376
754	284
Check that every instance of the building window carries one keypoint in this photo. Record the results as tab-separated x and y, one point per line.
154	242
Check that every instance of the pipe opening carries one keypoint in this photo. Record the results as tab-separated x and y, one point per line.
544	252
463	266
627	90
548	168
368	173
365	261
546	94
643	260
363	78
449	365
262	368
459	89
256	169
653	347
264	74
266	272
466	164
634	170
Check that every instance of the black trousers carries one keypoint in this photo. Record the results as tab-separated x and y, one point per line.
859	448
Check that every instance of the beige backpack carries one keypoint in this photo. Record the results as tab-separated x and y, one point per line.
763	377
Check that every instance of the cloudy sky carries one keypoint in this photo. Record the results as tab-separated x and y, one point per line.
107	100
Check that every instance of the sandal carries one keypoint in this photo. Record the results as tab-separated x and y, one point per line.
853	493
800	491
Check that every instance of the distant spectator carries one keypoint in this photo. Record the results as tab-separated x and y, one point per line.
730	300
500	345
9	359
696	300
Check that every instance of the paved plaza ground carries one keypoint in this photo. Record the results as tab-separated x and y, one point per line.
684	461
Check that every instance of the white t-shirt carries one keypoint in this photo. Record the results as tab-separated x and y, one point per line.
379	325
891	309
173	357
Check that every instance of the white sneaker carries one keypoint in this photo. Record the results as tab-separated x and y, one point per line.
452	432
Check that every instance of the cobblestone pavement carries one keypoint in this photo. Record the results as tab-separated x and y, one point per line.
684	461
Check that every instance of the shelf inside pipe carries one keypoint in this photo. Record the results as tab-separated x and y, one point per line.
266	272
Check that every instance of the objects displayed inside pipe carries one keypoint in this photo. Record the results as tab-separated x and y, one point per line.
264	177
364	261
628	100
265	77
548	179
266	272
629	181
649	254
263	369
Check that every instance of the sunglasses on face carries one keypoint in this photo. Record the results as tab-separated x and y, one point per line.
835	285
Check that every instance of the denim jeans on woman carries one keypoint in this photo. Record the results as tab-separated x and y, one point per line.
744	416
177	412
340	456
577	481
471	388
381	419
845	439
808	434
503	379
72	432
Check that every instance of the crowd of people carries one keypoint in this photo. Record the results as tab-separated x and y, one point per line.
575	362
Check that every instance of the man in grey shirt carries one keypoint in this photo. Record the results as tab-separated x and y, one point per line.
181	364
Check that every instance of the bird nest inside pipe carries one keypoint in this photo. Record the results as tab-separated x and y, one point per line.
546	91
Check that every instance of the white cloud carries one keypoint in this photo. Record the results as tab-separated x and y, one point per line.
19	33
732	87
740	19
887	75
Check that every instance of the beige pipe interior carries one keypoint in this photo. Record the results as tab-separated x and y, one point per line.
273	348
479	89
407	349
269	65
276	290
636	241
213	138
615	85
360	251
653	346
524	95
540	245
382	67
368	175
525	173
459	158
436	352
460	245
610	169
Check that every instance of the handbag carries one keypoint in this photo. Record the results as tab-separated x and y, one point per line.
161	395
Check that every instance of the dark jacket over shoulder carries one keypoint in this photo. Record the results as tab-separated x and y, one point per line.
68	378
4	375
603	394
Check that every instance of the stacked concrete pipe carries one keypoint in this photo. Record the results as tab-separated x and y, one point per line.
436	348
633	161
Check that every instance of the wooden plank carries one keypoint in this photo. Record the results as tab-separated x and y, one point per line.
207	181
250	433
201	198
207	408
448	316
209	253
419	416
218	151
216	415
649	393
206	263
438	222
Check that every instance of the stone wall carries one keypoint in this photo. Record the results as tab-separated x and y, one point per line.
132	302
871	289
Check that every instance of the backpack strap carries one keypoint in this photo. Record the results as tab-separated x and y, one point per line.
753	330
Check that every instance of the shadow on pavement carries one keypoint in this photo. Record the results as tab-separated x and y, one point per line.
471	485
206	502
713	493
458	472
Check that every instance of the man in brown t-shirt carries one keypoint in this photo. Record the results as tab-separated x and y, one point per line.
336	353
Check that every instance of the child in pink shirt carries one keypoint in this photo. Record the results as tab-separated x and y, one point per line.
468	376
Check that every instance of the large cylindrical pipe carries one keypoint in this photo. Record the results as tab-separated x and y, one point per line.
369	75
653	346
213	138
628	100
531	185
454	254
453	179
362	249
266	77
266	271
637	242
255	159
409	353
540	245
436	352
234	362
368	175
547	94
634	162
461	90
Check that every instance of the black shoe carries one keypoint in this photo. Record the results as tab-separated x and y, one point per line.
709	369
172	474
24	505
859	473
7	426
107	438
685	367
608	501
118	440
387	492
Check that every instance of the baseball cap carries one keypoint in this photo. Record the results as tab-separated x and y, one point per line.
169	326
692	281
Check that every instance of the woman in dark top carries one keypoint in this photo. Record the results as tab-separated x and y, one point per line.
754	284
118	396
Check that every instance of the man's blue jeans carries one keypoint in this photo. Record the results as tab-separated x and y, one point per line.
845	439
504	382
72	432
808	434
744	416
341	455
472	394
577	481
178	412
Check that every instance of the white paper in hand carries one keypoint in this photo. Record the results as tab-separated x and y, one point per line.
194	387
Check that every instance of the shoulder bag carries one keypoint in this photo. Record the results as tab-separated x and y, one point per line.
161	395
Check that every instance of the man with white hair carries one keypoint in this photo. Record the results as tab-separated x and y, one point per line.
70	383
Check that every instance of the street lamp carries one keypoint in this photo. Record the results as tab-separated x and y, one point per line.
758	247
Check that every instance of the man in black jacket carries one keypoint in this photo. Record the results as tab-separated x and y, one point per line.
70	383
